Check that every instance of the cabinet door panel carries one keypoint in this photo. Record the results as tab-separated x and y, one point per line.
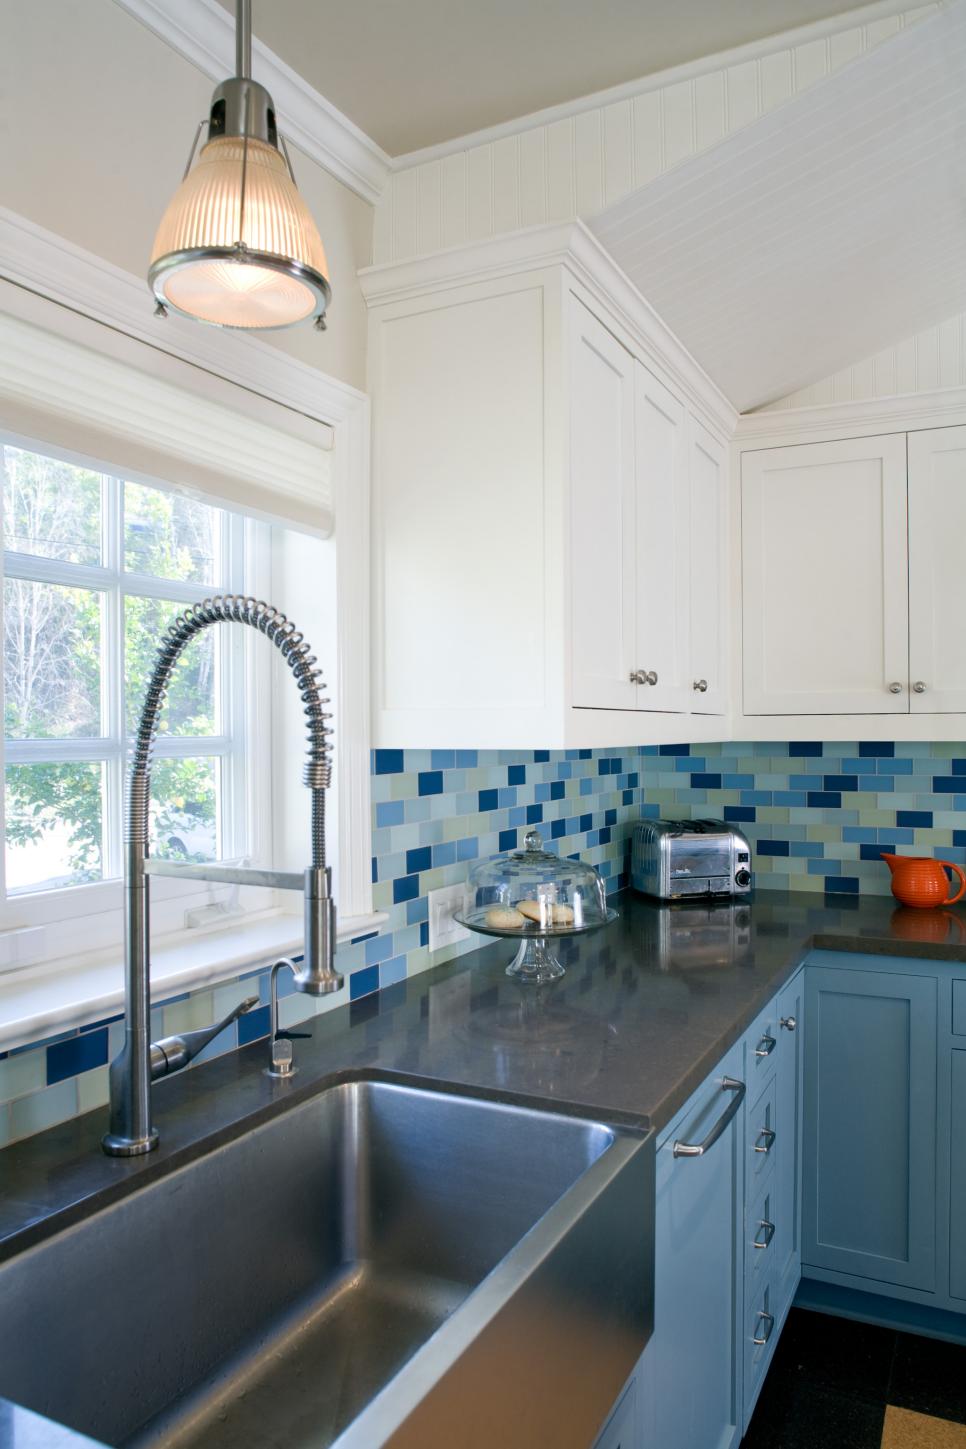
663	546
937	579
870	1112
790	1081
691	1384
824	571
602	516
709	602
957	1177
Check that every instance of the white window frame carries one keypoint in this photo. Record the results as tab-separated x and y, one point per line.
51	282
244	674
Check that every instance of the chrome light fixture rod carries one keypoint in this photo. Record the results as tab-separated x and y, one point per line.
243	39
131	1131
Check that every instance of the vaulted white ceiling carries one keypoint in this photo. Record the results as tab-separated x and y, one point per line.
830	228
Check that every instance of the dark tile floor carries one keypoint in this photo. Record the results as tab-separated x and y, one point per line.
831	1380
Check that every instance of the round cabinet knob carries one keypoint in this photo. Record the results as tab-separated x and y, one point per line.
895	687
650	677
701	685
788	1022
919	687
743	877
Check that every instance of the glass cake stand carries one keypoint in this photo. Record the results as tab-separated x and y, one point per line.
535	897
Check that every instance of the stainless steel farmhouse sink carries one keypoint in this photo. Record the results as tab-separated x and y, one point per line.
378	1264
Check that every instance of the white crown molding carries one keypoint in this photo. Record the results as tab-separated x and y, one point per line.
203	33
52	268
906	412
568	244
675	75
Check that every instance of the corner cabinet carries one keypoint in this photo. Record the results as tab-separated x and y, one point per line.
549	506
852	580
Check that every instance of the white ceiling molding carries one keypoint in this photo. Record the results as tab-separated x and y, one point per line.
907	413
820	233
568	244
204	34
675	75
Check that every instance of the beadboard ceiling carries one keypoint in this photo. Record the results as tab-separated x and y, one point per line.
417	73
827	230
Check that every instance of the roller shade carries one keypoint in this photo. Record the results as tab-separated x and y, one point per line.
253	456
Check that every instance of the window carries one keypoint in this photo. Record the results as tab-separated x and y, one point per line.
95	567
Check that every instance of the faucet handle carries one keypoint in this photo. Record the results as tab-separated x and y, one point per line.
172	1053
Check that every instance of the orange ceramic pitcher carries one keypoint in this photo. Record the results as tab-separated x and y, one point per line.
921	881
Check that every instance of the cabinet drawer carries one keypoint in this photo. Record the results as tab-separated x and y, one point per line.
761	1136
959	1008
761	1335
762	1048
762	1238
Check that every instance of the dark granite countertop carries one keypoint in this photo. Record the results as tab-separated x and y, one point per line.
648	1006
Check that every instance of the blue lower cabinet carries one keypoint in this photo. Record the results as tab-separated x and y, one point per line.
788	1185
691	1370
870	1112
957	1177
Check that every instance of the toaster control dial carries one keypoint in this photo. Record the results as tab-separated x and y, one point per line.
743	877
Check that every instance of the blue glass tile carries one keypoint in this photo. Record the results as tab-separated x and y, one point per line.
825	867
883	783
959	767
565	770
807	849
542	793
756	797
840	782
844	885
896	767
870	852
557	829
585	822
917	819
738	813
361	983
392	971
468	848
416	912
419	859
855	834
824	800
557	790
77	1054
406	888
375	870
801	782
946	784
516	775
390	812
518	815
584	754
442	759
389	762
772	847
444	853
586	787
467	759
628	797
540	757
381	946
603	836
488	800
684	764
534	815
959	837
507	797
610	817
508	840
789	798
430	782
873	749
706	782
633	780
886	835
424	933
674	749
738	782
254	1024
806	747
603	767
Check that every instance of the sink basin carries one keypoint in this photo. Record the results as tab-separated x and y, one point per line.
378	1264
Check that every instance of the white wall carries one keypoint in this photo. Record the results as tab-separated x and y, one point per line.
96	119
935	358
575	166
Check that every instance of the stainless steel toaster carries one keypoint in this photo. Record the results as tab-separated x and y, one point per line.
671	859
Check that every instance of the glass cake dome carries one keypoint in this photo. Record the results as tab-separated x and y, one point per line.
533	896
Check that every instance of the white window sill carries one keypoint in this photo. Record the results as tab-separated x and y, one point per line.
41	1001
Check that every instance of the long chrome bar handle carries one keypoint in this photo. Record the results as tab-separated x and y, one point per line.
698	1149
172	1053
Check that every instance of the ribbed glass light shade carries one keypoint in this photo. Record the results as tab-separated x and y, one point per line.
283	275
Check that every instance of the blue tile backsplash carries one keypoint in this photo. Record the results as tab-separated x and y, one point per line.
817	816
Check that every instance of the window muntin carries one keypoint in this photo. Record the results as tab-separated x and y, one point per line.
95	567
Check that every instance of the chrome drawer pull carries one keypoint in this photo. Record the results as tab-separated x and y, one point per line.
767	1136
768	1323
767	1231
766	1046
698	1149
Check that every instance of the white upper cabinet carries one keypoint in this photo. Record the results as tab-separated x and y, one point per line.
662	546
825	620
937	576
602	514
710	595
533	507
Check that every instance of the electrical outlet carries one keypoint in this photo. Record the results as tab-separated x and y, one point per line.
443	930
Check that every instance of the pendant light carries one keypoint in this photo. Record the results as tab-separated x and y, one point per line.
237	246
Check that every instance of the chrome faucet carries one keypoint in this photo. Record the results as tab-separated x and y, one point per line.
139	1061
